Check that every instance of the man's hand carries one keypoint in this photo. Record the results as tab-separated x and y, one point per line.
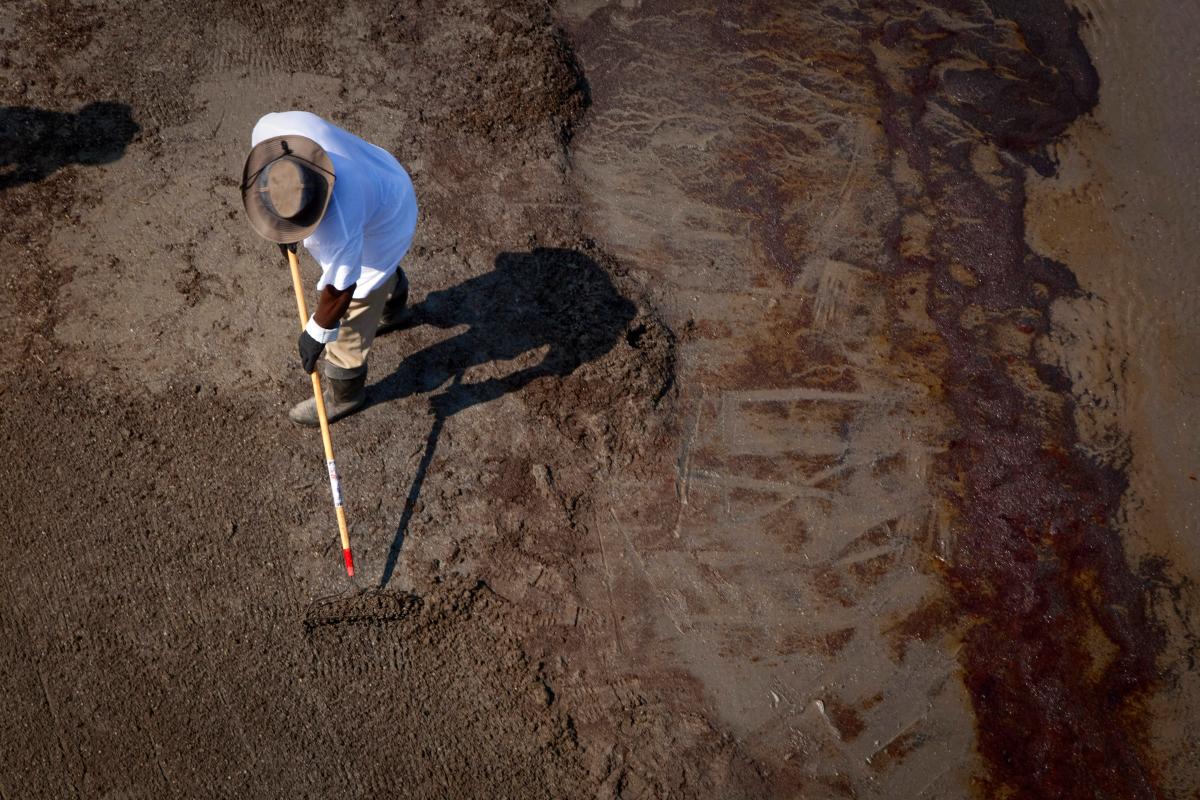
322	327
312	342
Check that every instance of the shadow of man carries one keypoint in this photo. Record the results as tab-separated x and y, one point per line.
35	143
552	299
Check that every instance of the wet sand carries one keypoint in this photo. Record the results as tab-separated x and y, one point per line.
836	220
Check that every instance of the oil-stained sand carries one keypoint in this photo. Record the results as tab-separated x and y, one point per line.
736	451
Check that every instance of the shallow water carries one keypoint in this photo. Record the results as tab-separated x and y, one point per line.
1122	213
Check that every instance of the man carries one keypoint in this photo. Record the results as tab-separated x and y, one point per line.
353	207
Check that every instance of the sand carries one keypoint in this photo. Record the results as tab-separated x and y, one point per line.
798	406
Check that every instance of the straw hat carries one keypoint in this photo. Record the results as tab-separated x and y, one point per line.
286	186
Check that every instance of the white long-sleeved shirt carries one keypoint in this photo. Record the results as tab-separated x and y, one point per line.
372	215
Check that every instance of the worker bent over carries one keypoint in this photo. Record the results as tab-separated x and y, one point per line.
353	207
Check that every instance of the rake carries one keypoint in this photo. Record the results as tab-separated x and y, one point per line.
334	486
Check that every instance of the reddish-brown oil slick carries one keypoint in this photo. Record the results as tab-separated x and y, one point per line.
1060	649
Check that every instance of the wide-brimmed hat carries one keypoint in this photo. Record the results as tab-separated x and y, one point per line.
286	185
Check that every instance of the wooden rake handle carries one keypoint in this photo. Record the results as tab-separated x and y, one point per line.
334	487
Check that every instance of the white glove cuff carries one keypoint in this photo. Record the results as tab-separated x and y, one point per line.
322	335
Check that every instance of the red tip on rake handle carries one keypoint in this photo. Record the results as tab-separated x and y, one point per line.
349	559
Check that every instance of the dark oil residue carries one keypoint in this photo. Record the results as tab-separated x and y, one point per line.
1060	649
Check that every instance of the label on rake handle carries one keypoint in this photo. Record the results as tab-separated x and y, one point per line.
334	486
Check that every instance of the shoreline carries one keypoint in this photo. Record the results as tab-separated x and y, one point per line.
1121	214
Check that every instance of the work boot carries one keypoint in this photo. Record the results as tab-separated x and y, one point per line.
396	313
341	399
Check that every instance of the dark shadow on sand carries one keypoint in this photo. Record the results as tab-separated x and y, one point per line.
560	300
34	143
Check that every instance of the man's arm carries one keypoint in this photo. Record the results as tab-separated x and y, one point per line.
322	326
333	305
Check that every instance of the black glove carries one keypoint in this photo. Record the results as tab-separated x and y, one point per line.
312	342
310	351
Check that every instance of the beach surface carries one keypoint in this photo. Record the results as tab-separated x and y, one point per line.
800	403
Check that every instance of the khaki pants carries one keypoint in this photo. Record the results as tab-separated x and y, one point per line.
346	357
